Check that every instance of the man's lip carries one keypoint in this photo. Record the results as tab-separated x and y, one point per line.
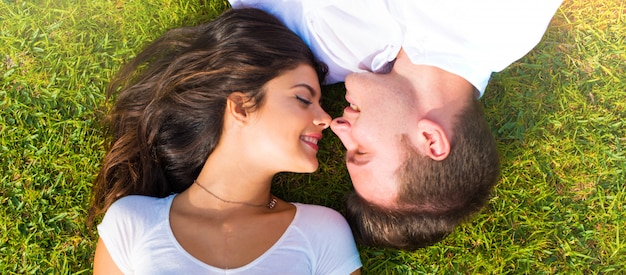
349	100
349	110
351	103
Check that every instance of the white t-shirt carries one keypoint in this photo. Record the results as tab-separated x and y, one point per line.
469	38
137	233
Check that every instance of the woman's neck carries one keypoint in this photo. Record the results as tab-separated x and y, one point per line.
227	182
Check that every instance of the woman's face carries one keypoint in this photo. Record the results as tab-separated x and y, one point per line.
289	122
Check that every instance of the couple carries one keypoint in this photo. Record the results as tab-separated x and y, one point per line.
194	121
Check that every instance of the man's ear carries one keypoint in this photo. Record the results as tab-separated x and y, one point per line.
236	107
432	140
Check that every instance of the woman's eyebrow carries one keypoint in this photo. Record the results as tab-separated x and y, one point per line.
306	86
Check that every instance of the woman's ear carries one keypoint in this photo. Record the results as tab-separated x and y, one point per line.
432	140
235	107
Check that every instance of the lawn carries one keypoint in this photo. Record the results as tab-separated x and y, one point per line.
558	115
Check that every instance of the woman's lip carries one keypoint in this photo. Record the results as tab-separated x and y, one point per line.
315	136
313	144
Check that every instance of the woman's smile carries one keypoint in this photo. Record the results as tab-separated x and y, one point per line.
311	140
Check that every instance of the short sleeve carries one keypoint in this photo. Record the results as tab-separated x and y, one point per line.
119	230
331	240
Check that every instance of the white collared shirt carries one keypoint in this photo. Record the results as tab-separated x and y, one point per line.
468	38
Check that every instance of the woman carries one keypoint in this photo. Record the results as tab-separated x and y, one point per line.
197	136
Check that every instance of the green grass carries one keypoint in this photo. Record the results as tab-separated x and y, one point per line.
558	114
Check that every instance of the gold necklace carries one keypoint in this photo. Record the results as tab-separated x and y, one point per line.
270	205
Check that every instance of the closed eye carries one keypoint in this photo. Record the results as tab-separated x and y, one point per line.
304	100
357	158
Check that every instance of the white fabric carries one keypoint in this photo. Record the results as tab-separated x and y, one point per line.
136	232
468	38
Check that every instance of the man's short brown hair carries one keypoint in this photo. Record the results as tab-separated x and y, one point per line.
434	196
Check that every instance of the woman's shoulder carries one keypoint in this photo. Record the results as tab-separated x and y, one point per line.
135	214
318	217
133	200
326	233
315	209
136	205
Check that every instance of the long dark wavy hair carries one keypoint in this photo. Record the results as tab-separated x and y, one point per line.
169	112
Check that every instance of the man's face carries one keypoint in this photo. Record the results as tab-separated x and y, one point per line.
371	128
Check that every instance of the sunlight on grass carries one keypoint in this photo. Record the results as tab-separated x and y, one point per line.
558	114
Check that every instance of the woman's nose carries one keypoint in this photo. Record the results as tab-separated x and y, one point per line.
323	120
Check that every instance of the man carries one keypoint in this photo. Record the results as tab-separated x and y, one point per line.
419	151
